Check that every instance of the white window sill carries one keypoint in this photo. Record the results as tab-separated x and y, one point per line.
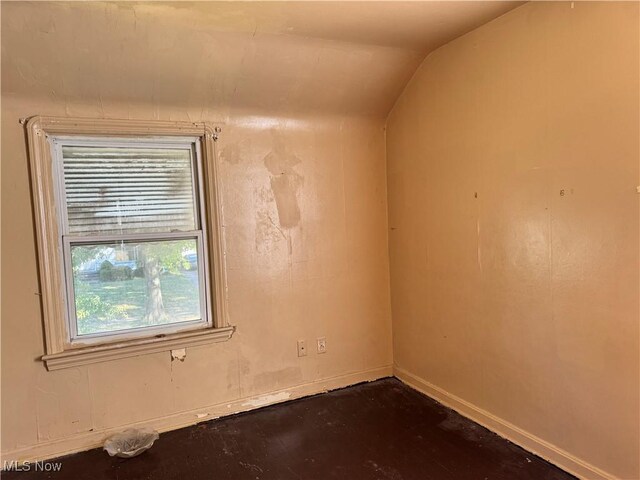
133	348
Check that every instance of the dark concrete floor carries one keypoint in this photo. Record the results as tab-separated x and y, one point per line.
379	430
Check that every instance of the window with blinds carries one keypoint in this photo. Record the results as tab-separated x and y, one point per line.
128	189
131	235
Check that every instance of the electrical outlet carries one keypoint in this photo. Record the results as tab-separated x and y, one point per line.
302	348
322	345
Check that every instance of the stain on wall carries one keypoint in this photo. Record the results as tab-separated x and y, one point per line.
285	181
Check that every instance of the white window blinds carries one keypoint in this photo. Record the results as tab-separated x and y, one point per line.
124	190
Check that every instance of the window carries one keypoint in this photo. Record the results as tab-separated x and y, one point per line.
131	235
128	236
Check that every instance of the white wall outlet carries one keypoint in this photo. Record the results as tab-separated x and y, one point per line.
302	348
322	345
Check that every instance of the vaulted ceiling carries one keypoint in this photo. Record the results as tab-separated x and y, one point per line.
292	57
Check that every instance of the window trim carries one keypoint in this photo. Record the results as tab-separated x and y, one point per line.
59	352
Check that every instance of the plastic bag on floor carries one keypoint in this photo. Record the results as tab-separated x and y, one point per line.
131	442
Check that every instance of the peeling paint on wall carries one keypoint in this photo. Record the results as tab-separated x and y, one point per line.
267	399
285	181
179	354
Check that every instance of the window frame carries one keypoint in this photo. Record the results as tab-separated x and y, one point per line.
45	136
199	234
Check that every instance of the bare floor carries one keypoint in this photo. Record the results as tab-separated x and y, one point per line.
379	430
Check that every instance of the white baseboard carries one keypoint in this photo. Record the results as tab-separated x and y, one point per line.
86	441
526	440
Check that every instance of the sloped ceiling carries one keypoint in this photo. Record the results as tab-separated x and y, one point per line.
289	57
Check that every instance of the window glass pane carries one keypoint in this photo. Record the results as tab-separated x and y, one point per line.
125	285
128	190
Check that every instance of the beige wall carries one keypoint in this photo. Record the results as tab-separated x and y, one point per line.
324	274
299	88
520	301
524	301
306	258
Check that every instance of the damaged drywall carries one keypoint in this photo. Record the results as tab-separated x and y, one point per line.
285	181
267	399
179	354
